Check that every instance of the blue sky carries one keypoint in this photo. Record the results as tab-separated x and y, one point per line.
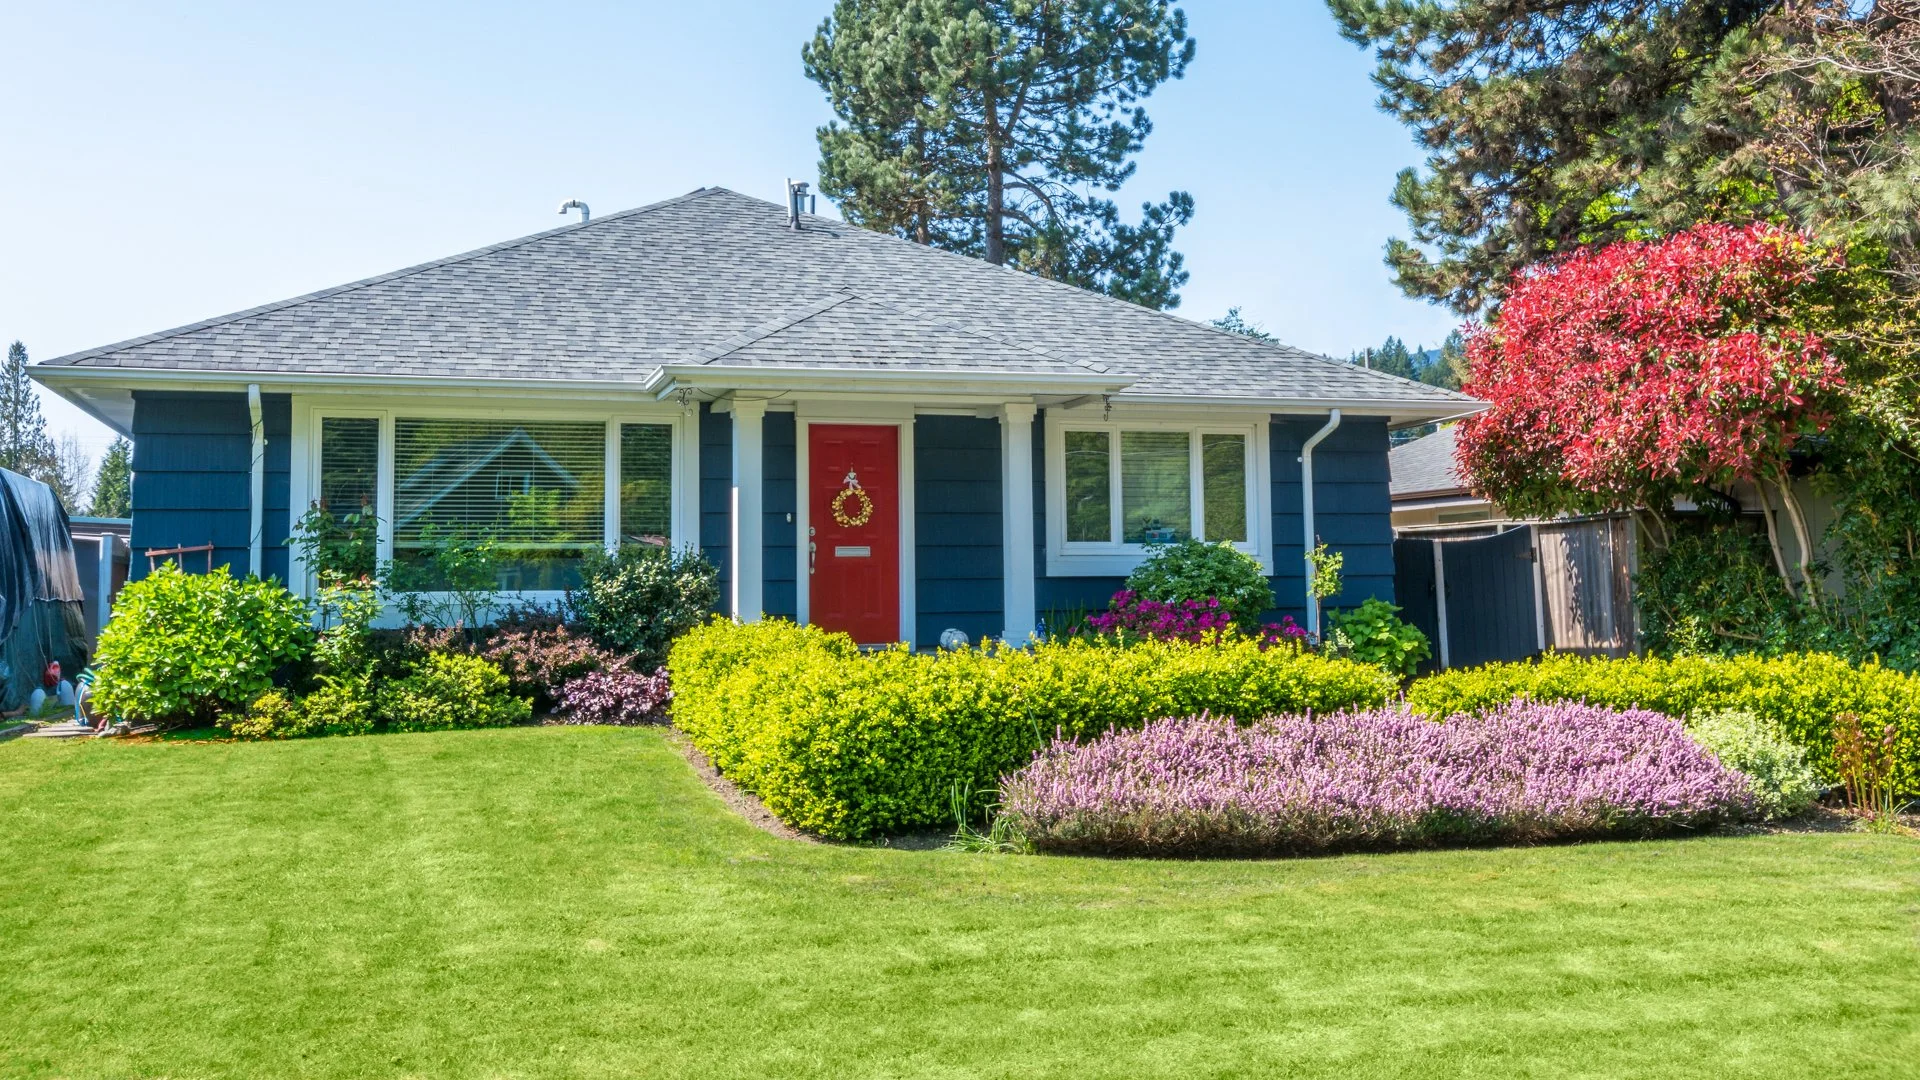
159	166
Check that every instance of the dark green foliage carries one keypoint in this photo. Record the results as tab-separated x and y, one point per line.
186	648
847	744
1714	589
1444	367
113	486
989	127
1233	323
24	445
1374	633
638	600
1798	694
1540	119
1196	570
450	690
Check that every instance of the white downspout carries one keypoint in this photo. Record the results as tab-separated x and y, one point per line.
1306	515
257	481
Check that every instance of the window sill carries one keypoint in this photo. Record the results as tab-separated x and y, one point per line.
1120	563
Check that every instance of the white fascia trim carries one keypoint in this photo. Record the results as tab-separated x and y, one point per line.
321	382
1418	410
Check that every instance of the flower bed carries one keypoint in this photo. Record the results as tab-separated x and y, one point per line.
1800	695
846	744
1370	780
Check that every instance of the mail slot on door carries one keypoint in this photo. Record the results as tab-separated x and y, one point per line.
862	552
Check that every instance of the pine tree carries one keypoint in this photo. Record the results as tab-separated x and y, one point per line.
24	445
113	487
991	128
1542	120
1391	357
1234	323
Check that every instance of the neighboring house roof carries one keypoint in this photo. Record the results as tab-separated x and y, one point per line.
1425	466
714	282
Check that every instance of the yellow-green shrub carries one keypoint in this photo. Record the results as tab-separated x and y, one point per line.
847	744
1798	694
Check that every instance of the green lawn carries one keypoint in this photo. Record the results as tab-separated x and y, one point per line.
574	902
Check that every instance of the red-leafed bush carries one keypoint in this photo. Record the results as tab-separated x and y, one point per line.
1627	375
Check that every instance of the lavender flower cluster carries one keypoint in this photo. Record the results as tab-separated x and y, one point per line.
1371	780
617	696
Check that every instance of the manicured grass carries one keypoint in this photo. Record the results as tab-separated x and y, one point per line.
573	902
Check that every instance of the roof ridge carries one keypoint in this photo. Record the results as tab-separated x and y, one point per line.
378	279
760	331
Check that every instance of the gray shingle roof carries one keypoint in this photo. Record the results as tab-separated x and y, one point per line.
716	278
1425	466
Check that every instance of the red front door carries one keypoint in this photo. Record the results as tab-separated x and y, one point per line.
853	503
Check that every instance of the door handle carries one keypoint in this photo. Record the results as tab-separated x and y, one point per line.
813	549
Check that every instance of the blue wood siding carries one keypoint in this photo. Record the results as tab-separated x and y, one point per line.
778	559
191	476
716	494
1352	508
956	524
778	522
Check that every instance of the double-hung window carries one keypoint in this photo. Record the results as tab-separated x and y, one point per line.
542	491
1116	489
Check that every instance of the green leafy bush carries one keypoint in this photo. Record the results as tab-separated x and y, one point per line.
340	707
186	648
273	715
1782	782
1375	633
1799	694
450	690
640	599
1196	570
847	744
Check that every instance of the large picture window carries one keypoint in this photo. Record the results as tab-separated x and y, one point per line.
1124	487
542	492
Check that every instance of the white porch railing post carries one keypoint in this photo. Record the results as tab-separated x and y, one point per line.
1016	517
749	486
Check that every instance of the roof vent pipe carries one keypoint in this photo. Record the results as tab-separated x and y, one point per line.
576	204
798	202
1312	538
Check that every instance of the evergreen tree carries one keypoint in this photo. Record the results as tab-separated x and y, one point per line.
1542	119
1446	367
113	487
1233	323
24	445
1391	357
991	128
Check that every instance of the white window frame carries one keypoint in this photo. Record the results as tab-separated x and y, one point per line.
1114	557
685	466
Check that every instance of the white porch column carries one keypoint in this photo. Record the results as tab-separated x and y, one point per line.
1016	520
749	484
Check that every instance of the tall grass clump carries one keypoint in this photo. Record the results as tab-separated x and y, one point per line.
1379	779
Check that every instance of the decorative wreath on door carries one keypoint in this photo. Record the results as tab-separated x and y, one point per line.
853	518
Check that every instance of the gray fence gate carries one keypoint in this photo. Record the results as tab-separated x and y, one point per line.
1565	585
1477	600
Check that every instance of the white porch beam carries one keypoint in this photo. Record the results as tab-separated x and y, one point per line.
1016	520
749	485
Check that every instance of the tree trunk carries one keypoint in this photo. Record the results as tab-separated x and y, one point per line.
996	252
1800	536
1773	539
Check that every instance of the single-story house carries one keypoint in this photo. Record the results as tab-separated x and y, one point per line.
861	432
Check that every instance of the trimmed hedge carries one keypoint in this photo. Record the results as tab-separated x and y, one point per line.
1798	694
847	745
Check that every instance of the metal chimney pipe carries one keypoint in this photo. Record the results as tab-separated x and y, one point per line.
576	204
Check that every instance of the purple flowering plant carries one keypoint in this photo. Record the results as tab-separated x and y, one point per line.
616	696
1379	779
1208	620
